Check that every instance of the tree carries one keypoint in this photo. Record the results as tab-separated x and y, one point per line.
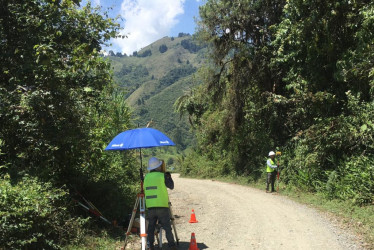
125	70
146	53
238	82
294	74
163	48
52	74
140	71
170	161
59	107
191	46
181	34
329	91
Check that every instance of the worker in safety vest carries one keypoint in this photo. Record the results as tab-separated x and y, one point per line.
270	170
157	200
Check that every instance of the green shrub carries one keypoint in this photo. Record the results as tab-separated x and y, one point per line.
197	165
33	215
352	180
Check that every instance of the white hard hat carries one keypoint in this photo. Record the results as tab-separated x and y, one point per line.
271	153
154	163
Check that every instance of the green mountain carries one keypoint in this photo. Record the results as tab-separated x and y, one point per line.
155	77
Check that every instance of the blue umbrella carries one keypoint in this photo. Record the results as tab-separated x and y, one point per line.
139	138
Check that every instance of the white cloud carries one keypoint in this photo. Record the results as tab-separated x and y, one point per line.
97	2
146	21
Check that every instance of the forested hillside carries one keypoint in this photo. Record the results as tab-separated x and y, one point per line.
295	76
155	77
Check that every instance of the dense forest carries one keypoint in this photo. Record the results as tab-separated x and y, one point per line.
295	76
59	109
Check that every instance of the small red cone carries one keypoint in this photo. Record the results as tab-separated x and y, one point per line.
193	244
193	217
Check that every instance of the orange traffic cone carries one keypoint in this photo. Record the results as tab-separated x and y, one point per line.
193	244
193	217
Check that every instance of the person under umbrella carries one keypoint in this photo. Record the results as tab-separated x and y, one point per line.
139	138
157	200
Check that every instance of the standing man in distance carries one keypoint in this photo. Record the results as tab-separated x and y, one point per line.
157	201
271	173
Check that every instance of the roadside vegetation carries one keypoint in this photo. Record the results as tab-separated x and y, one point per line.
292	76
59	108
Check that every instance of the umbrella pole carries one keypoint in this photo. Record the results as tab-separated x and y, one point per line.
143	233
141	173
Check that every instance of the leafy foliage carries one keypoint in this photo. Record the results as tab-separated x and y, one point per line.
35	215
234	120
48	82
294	75
59	108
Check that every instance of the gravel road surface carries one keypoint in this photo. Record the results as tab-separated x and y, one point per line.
235	217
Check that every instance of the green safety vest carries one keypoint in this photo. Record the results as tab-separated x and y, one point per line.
156	194
269	169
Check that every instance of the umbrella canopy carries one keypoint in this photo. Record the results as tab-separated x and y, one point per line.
139	138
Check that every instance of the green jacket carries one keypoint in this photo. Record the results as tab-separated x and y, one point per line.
156	194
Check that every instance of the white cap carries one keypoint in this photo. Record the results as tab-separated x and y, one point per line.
271	153
154	163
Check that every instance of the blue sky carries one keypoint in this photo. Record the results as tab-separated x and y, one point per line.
146	21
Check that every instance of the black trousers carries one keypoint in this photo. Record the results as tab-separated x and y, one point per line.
162	215
271	180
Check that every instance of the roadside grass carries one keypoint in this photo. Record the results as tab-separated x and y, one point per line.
101	240
99	243
358	219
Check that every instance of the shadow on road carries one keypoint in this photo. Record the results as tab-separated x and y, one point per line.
184	246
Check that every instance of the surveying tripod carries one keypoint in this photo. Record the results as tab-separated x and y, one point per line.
140	201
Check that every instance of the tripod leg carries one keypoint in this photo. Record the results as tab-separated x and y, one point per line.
142	221
160	238
173	223
157	233
131	220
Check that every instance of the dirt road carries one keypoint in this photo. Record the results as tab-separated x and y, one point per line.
236	217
